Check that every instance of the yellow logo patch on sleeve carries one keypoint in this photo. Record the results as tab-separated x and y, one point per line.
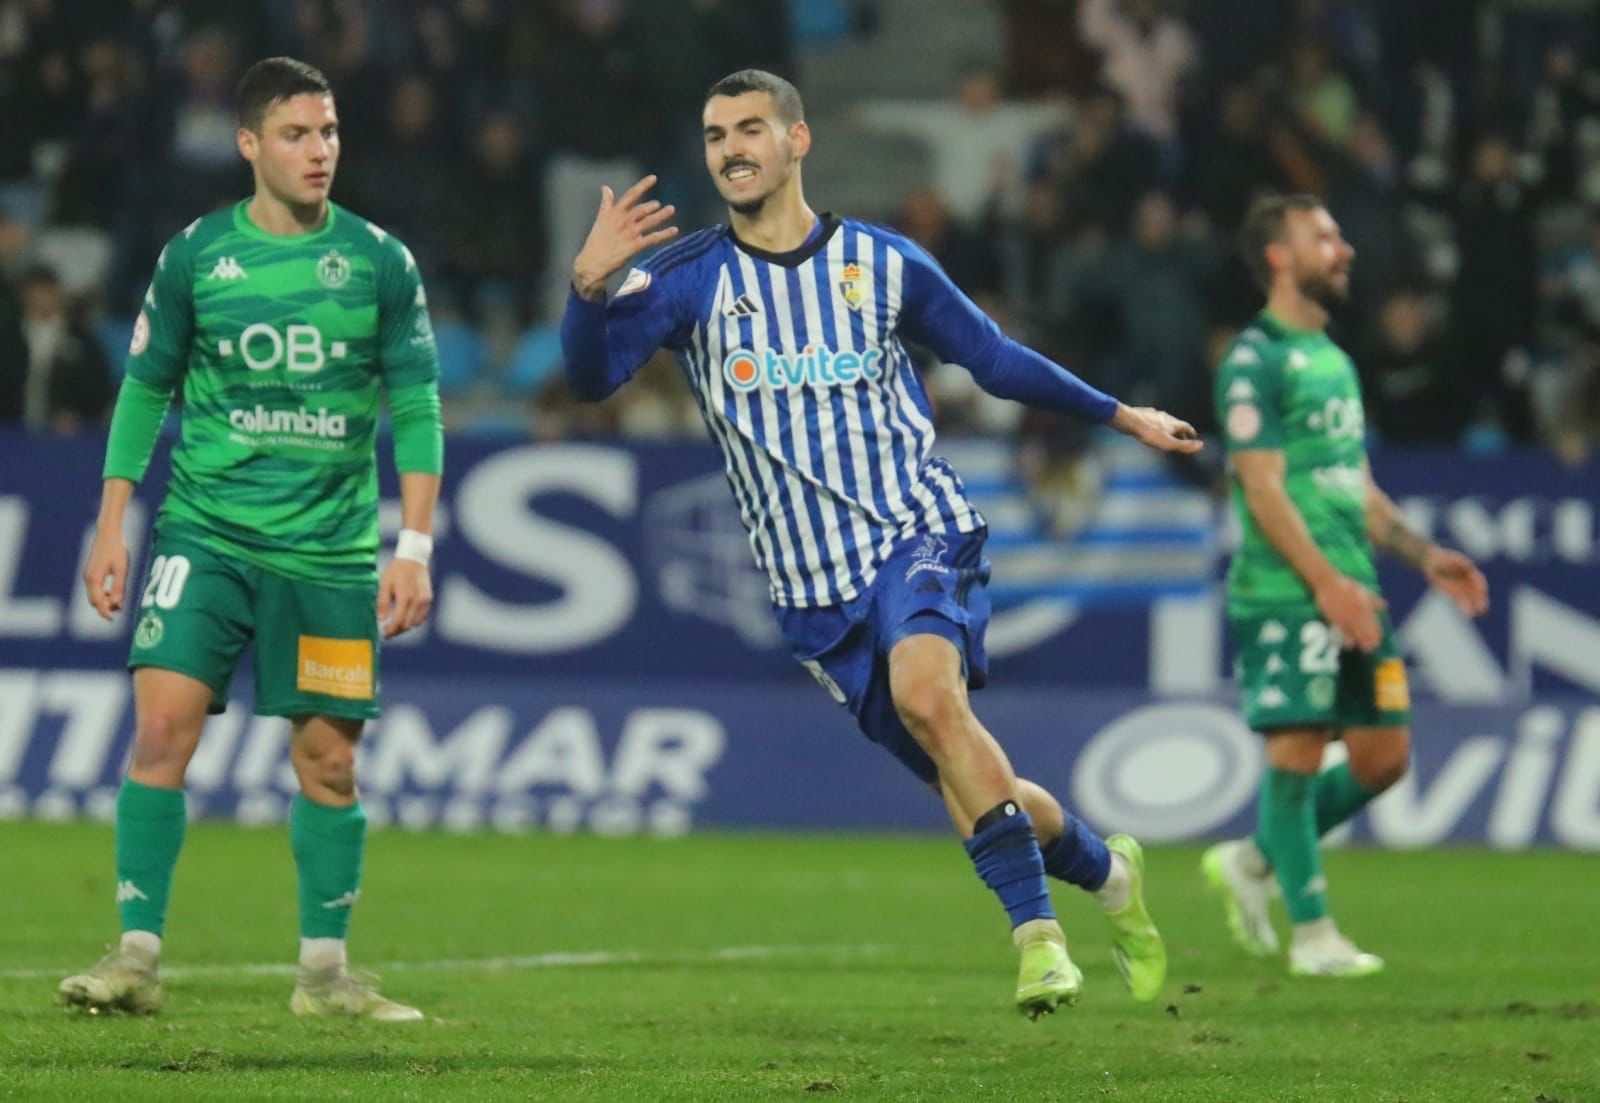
338	668
1393	695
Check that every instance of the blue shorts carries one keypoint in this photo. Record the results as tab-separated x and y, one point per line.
931	583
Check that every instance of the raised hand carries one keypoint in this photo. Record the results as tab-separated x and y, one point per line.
1156	429
622	230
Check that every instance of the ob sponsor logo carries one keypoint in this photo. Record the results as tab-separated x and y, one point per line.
812	366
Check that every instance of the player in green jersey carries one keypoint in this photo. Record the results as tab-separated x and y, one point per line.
282	319
1317	658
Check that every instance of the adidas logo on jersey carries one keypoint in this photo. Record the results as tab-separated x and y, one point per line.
228	269
742	307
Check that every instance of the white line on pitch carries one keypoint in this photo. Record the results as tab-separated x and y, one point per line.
557	960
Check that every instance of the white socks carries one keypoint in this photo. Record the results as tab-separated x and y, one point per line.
315	953
1113	895
1315	930
144	945
322	954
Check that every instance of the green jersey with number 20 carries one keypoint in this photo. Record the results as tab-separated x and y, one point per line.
282	345
1296	392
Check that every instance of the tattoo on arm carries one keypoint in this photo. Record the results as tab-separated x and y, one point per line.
1404	543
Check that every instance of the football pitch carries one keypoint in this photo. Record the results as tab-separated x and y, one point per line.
766	967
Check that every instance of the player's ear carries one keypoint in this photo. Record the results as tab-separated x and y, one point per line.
249	143
800	138
1277	256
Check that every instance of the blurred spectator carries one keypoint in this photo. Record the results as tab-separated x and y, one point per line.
53	375
1323	99
964	253
1448	137
979	141
1103	166
1146	51
494	245
1366	195
1568	396
1425	120
1413	387
401	181
1345	29
1560	102
597	131
1237	37
89	190
1154	286
199	115
1495	291
1237	162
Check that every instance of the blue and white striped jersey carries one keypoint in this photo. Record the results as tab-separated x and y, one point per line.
797	363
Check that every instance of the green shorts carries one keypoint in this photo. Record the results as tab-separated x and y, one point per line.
316	646
1293	672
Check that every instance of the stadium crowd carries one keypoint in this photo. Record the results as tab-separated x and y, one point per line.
1085	186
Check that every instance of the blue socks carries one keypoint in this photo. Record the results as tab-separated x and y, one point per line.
1006	854
1079	857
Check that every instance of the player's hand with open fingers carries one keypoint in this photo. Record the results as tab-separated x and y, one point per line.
105	576
1156	429
623	228
1352	610
405	595
1458	578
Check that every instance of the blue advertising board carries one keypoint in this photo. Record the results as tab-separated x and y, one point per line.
601	657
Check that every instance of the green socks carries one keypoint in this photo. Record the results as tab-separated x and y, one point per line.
1287	833
150	825
1339	796
328	844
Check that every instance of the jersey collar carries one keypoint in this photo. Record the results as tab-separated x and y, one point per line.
242	223
1280	330
795	257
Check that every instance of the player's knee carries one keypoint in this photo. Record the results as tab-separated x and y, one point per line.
1382	772
328	760
934	713
164	738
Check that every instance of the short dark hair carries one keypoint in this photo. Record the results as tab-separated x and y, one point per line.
1263	225
785	96
273	79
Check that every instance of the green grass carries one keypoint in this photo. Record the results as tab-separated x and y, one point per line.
889	979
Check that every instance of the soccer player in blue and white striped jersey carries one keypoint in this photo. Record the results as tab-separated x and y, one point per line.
788	324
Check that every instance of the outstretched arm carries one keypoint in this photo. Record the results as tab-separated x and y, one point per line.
623	228
937	314
1449	571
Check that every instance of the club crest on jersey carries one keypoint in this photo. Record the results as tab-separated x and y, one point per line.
333	270
850	286
812	366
